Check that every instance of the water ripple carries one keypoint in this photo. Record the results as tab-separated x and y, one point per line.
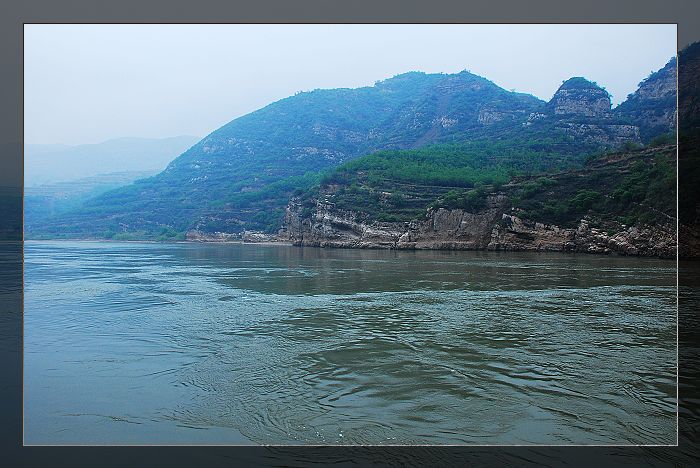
275	344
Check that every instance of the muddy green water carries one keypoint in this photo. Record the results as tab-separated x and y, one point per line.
129	343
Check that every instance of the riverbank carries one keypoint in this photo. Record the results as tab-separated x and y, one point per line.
442	245
151	241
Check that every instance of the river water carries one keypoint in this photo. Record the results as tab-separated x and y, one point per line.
145	343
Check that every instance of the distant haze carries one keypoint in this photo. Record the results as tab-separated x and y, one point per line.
56	163
90	83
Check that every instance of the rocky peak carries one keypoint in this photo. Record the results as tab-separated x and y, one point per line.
652	107
578	96
658	85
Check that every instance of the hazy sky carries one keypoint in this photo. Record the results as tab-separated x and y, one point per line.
90	83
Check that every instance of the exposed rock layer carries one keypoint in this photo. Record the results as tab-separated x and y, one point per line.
490	229
578	96
245	236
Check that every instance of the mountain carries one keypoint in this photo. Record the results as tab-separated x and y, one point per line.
470	196
241	177
582	110
59	163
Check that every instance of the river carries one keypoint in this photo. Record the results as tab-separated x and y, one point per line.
147	343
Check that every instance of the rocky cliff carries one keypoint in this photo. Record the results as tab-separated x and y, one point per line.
652	108
582	110
578	96
491	229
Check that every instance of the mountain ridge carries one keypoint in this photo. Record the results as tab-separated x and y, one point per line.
210	186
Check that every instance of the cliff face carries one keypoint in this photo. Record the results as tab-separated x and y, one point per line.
578	96
490	229
652	108
440	229
604	135
581	110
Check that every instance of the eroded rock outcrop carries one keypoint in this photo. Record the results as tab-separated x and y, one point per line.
515	234
578	96
581	110
245	236
493	228
610	135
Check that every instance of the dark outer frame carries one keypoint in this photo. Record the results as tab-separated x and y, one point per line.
685	13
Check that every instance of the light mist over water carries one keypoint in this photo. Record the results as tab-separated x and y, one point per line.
270	344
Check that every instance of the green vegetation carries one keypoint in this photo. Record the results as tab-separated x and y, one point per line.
633	186
469	200
453	165
638	189
629	146
400	185
647	194
663	140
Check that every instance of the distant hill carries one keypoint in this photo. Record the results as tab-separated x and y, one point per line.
58	163
47	200
241	176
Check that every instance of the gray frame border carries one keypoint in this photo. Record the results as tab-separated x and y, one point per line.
685	13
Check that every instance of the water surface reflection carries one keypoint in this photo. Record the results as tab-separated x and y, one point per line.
188	343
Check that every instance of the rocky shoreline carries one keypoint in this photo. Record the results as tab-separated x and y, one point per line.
632	242
247	237
494	228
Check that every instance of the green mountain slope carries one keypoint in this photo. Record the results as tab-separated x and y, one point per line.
400	185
